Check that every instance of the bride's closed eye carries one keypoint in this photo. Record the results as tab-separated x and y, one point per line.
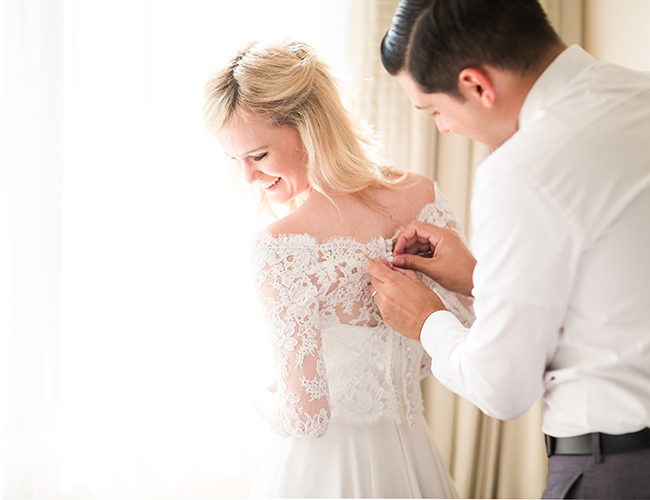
260	157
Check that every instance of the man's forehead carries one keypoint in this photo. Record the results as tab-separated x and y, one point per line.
418	98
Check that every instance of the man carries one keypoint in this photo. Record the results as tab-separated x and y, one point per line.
561	216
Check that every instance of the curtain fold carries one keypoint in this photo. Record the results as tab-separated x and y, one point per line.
379	98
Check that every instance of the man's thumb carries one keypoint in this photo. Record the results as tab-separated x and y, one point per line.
408	261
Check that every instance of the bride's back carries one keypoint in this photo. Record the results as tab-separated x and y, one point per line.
312	282
344	233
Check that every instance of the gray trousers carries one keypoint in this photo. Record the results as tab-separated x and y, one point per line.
618	475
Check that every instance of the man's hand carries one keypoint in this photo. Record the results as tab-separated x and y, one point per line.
403	300
437	252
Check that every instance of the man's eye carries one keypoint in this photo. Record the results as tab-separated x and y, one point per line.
260	157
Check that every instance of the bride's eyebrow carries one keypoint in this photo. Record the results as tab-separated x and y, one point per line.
254	150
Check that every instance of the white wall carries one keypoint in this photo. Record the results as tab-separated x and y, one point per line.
618	31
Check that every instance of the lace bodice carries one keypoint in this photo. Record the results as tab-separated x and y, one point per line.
335	357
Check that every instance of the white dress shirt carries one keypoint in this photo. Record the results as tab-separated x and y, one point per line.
561	215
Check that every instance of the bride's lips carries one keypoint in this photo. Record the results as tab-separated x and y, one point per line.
270	185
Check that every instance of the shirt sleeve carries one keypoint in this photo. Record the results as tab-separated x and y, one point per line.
440	214
288	296
526	263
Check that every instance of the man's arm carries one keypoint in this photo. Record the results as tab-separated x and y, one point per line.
526	254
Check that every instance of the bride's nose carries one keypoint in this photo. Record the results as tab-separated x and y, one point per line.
249	172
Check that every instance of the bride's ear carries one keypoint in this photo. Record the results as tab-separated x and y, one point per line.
475	84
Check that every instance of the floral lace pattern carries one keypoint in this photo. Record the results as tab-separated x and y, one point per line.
334	355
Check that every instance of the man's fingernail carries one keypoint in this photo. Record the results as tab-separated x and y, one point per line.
399	262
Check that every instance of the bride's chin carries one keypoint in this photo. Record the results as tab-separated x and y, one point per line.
279	202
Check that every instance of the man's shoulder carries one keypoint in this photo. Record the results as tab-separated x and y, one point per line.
585	151
602	113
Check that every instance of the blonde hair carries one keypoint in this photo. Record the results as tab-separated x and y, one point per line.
286	84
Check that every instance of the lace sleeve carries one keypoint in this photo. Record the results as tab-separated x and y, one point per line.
283	273
440	214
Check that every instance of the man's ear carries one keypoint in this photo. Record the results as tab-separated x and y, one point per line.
474	83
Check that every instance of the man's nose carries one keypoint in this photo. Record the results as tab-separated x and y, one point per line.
441	126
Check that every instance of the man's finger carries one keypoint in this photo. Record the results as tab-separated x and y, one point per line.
378	270
407	238
417	232
386	262
415	262
409	274
403	272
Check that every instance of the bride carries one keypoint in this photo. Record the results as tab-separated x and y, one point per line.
347	408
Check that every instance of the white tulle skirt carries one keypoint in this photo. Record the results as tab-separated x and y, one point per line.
384	460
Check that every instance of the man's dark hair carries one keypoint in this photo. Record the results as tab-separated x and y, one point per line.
434	40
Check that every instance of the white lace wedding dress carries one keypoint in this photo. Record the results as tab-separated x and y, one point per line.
348	409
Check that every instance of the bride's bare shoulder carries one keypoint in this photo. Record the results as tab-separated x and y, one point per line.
285	225
421	187
415	191
349	215
306	219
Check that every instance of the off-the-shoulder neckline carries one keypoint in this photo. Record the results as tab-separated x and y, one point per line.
336	239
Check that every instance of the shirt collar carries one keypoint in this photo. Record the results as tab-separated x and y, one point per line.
569	64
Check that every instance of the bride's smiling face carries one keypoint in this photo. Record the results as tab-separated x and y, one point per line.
272	157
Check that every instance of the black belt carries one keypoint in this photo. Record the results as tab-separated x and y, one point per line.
609	443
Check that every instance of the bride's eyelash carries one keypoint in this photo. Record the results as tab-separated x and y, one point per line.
260	157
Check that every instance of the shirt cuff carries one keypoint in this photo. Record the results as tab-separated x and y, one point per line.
435	324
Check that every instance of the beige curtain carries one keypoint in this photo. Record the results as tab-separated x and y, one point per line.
487	458
407	133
